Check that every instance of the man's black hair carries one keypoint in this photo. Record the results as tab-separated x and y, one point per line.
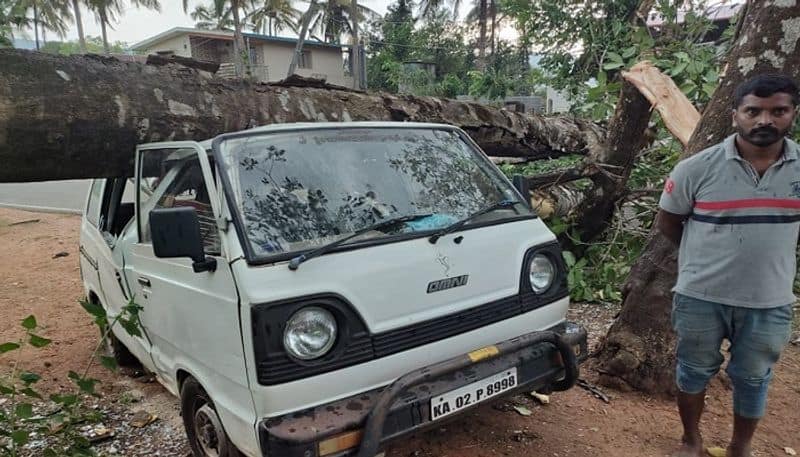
766	85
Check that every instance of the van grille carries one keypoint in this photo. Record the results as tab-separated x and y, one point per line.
277	367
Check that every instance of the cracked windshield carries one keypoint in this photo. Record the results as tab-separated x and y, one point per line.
300	190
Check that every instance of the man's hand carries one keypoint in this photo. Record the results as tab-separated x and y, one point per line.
671	225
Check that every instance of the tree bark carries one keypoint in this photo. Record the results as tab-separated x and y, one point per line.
79	24
104	30
638	350
238	40
298	49
36	24
481	62
66	117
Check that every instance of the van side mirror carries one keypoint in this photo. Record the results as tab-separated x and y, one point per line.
523	186
176	233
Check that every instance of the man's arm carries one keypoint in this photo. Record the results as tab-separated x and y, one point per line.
670	225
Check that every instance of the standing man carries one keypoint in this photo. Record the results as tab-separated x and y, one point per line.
734	209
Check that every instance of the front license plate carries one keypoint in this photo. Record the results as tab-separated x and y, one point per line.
456	400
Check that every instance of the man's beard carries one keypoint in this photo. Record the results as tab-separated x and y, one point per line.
762	136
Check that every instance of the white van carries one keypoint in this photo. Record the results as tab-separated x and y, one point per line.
317	290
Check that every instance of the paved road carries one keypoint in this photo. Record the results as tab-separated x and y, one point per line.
56	196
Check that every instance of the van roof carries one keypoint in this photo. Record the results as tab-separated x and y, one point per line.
318	125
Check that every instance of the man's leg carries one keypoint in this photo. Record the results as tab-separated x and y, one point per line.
700	327
759	336
690	407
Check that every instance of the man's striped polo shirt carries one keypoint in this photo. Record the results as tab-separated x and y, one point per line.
739	242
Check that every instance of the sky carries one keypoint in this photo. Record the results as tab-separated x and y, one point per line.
138	24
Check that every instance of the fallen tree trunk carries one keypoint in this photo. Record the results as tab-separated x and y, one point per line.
81	116
638	350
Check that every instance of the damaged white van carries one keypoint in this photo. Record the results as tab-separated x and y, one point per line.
318	290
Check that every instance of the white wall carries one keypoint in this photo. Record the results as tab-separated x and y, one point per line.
325	61
179	45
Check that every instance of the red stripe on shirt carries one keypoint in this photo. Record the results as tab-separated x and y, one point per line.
792	203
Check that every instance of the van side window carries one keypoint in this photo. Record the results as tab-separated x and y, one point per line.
95	200
172	178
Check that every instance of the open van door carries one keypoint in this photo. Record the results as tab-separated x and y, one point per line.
191	315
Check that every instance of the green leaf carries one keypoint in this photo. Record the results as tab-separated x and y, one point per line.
569	258
24	410
614	57
5	390
678	69
29	322
38	341
94	309
6	347
629	52
31	393
602	78
85	384
65	400
109	362
131	326
613	65
29	378
20	437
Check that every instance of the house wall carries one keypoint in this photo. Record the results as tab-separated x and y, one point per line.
556	102
179	45
325	62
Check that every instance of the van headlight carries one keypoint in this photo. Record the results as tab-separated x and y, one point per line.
542	273
310	333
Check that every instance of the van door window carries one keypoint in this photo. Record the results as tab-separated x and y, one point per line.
117	208
95	200
171	178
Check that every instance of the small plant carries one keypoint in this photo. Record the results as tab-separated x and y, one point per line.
19	422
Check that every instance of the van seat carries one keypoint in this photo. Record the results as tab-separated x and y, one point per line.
124	214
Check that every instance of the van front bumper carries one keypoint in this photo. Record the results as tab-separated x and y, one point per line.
360	425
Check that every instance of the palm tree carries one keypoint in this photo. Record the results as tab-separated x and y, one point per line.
216	16
274	16
107	11
428	8
50	15
79	23
334	19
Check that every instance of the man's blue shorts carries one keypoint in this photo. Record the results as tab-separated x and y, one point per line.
757	337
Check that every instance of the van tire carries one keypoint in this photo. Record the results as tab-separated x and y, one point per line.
123	356
196	406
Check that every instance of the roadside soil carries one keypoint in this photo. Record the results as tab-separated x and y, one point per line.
39	275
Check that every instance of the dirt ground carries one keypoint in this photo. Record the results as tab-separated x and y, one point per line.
37	278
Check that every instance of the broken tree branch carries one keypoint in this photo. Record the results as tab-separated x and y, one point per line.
678	113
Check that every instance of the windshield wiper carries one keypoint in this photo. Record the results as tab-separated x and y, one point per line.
296	261
458	224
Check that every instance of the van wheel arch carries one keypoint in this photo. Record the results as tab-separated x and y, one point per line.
202	424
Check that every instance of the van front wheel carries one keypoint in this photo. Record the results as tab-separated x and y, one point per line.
204	429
